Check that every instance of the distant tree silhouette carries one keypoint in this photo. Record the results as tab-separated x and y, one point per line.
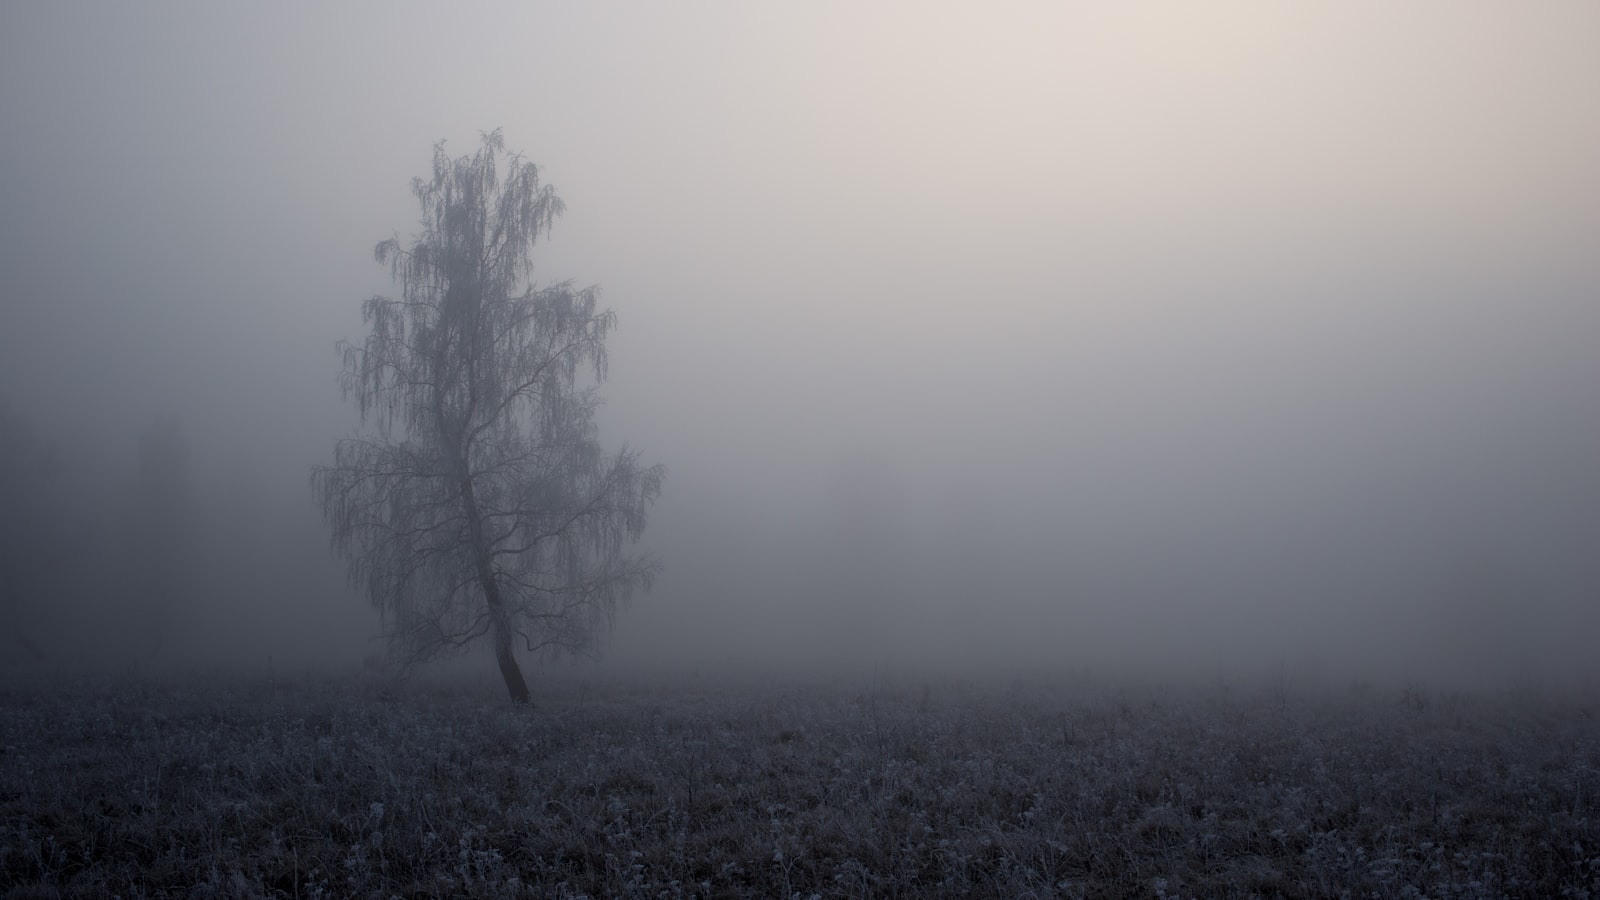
161	530
477	502
26	522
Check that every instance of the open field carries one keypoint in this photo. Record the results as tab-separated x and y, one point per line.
244	789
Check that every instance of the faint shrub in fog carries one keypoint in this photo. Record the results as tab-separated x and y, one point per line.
30	529
161	532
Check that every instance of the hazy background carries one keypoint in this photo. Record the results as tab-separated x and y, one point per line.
1194	338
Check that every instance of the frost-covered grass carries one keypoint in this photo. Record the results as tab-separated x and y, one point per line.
226	788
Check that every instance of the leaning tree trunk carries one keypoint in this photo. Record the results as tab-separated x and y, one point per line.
499	617
505	653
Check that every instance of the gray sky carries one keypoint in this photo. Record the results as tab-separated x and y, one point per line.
1192	335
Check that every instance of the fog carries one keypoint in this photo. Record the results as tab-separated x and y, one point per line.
1156	338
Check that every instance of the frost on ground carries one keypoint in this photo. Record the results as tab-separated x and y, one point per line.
146	788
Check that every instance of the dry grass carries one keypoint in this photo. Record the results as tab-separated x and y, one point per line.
222	788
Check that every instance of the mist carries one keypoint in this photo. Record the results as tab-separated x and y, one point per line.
1142	338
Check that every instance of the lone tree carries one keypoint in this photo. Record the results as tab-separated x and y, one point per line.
477	501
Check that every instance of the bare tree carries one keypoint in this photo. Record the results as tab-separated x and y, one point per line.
478	501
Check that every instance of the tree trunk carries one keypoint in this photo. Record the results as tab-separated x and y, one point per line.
504	651
506	656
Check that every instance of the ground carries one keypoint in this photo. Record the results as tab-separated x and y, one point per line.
154	786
